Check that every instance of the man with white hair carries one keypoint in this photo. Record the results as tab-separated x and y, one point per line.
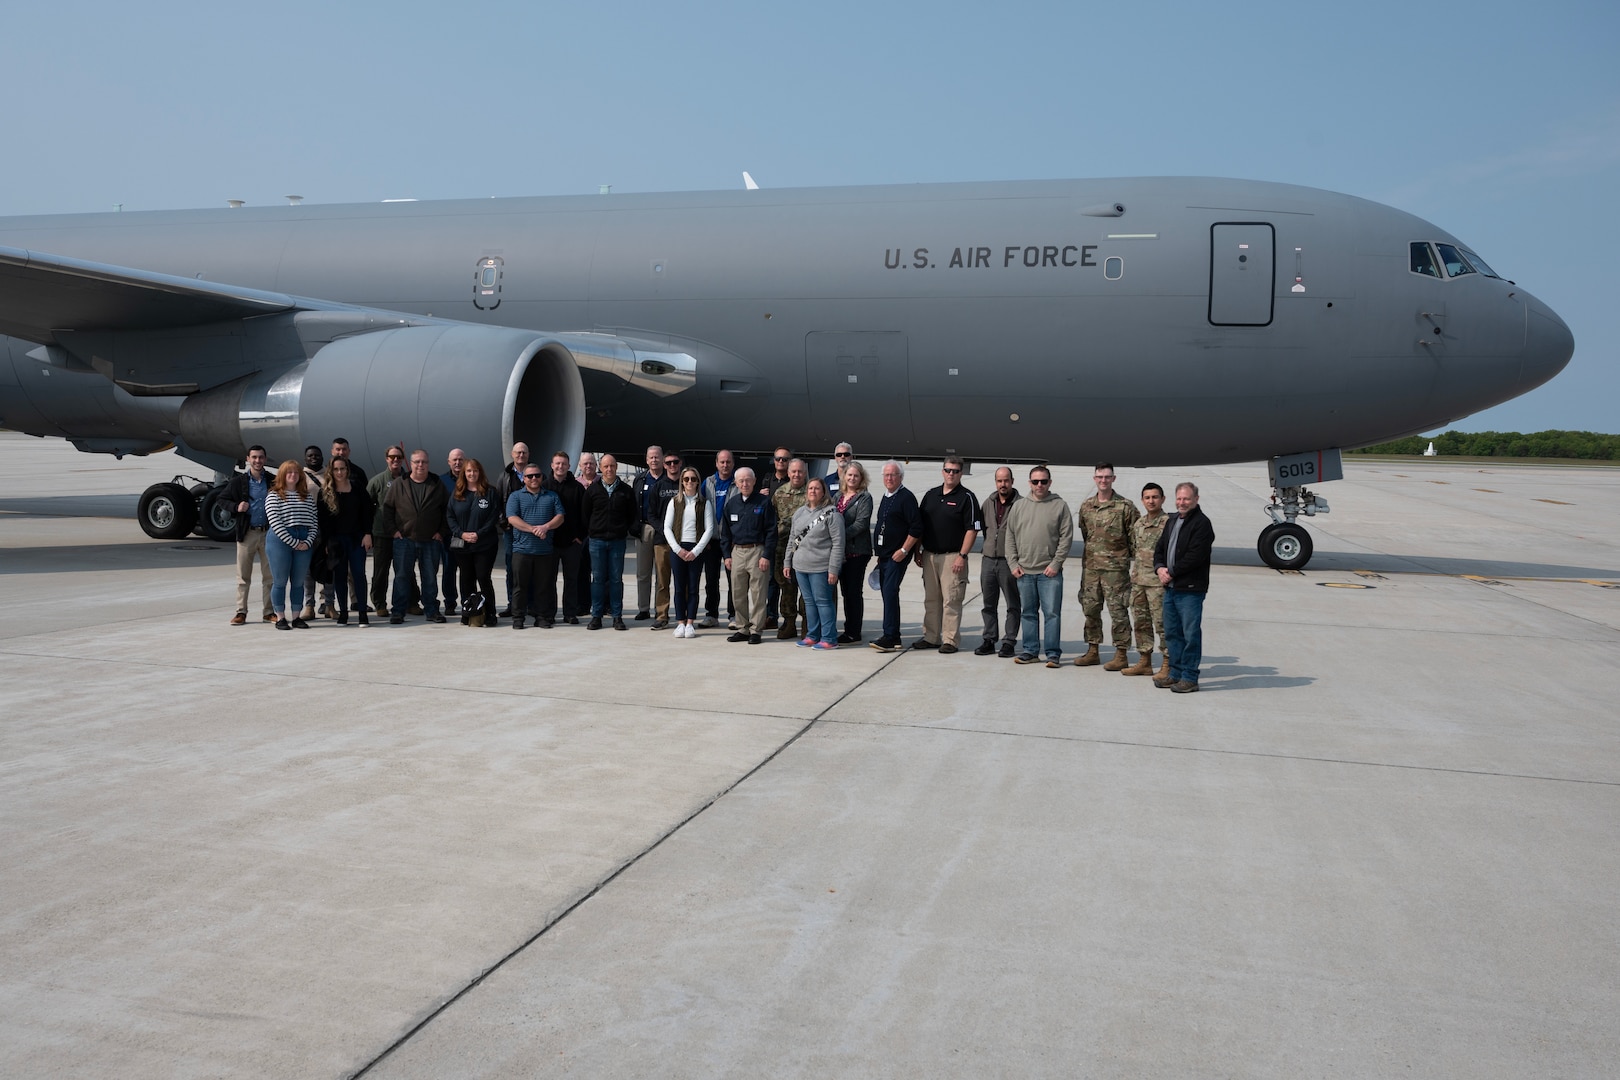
896	530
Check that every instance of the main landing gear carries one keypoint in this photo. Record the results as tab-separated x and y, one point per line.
176	509
1285	545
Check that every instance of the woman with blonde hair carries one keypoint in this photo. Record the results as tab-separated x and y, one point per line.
294	525
344	515
855	504
689	528
815	555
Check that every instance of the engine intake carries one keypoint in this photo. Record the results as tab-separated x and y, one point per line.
434	387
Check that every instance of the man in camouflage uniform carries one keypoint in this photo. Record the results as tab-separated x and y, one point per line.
786	498
1105	522
1147	594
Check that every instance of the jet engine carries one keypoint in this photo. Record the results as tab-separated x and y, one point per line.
436	387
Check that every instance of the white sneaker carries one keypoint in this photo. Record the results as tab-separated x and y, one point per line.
691	631
680	630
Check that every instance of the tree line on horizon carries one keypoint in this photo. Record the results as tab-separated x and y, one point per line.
1577	445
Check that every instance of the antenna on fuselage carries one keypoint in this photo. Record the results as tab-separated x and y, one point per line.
293	200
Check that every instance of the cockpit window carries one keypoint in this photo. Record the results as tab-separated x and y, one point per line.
1479	264
1456	265
1423	260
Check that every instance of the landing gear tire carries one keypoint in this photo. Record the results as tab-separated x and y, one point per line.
1285	546
166	512
218	521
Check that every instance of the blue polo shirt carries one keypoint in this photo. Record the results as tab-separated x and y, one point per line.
536	509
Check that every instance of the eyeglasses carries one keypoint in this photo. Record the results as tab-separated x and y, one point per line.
841	453
782	459
1034	481
672	461
532	476
396	457
950	472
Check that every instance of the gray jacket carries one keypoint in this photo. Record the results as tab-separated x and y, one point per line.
816	540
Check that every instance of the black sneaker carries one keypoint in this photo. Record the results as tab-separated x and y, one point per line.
660	624
1026	658
985	648
886	644
283	624
847	638
594	624
449	607
396	620
738	636
300	624
438	618
342	618
1006	652
505	612
923	643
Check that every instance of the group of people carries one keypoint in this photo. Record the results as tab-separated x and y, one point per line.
788	546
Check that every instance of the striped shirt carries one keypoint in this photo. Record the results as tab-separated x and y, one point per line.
288	512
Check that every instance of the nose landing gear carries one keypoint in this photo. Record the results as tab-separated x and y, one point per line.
1285	545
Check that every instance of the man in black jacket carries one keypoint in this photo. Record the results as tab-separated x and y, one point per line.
245	492
569	538
610	511
1181	560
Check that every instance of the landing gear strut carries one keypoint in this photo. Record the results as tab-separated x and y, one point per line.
1285	545
173	510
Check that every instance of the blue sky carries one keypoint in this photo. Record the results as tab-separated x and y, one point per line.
1499	122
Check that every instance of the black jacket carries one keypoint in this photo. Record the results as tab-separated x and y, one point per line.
481	514
1194	547
236	493
572	496
609	516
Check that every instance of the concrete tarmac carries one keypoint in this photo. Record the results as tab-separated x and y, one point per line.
1379	840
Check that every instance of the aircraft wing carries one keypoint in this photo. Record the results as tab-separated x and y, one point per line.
42	293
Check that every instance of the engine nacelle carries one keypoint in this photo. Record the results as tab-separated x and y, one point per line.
433	387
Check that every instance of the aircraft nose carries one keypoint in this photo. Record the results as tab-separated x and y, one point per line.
1548	344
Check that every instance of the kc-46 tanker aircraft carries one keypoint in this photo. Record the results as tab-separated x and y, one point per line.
1144	321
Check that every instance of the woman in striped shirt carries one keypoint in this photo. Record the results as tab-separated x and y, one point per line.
290	510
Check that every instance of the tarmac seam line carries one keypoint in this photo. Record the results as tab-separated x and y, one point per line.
1218	750
610	878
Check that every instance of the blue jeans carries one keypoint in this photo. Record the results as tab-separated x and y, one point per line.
890	574
1184	632
607	578
820	606
415	559
287	570
1041	597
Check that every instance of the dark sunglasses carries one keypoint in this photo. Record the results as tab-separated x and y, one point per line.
1033	481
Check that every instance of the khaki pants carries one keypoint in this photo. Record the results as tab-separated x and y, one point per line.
1147	612
748	584
943	593
661	568
247	549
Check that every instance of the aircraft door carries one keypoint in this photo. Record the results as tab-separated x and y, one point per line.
1242	267
858	382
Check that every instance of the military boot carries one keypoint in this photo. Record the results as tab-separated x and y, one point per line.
1143	665
1161	678
1088	659
1119	662
788	630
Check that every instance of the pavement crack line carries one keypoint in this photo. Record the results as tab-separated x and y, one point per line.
658	842
1233	753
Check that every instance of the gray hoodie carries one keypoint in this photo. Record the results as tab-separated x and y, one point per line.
819	534
1038	532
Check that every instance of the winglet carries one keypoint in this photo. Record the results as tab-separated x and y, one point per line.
748	182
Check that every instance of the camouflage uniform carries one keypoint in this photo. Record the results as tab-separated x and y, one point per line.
1147	595
1106	529
786	500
